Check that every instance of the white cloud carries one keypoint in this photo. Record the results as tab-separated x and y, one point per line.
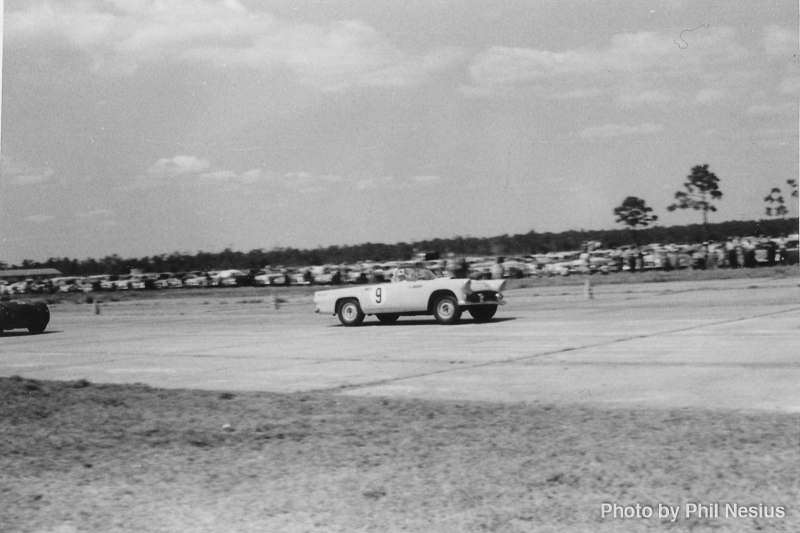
40	219
650	61
219	175
790	86
644	98
252	176
118	36
95	213
779	41
374	183
180	165
306	182
187	169
390	182
577	94
618	130
427	180
298	175
788	109
709	96
16	173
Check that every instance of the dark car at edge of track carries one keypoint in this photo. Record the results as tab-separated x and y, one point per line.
32	316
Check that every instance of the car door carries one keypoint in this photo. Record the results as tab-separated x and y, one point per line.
383	298
413	295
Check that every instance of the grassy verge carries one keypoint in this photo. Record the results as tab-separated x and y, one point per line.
76	456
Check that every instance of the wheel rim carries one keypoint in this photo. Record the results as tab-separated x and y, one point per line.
446	309
349	312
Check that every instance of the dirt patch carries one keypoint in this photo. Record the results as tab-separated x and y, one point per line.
77	456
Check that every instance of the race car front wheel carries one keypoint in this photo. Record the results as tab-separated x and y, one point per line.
41	320
483	313
446	310
350	313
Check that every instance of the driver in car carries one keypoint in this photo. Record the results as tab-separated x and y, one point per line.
405	274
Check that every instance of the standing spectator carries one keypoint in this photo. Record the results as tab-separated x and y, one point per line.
584	259
631	260
450	267
666	260
733	253
772	252
740	255
496	270
699	257
782	259
722	255
749	256
462	268
711	257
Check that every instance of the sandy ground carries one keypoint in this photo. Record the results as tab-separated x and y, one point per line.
716	344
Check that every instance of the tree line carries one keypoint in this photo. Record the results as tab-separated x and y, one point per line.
528	243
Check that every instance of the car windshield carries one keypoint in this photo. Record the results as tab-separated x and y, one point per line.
413	274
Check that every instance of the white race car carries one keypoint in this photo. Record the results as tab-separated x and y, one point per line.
413	291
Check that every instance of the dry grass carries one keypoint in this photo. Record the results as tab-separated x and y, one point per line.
83	457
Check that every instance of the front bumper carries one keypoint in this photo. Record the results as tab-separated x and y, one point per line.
483	298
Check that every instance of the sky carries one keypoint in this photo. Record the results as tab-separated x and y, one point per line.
140	128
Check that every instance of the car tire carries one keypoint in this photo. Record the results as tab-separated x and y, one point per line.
388	318
42	319
350	313
483	313
446	310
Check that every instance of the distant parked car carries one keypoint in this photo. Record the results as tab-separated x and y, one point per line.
123	283
270	278
74	285
108	284
230	278
168	281
20	287
791	251
196	280
323	275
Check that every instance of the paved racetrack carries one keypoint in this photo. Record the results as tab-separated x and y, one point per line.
718	344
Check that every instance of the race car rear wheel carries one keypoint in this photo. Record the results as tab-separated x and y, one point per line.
446	310
350	313
483	313
388	318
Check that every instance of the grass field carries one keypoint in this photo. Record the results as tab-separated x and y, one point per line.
77	456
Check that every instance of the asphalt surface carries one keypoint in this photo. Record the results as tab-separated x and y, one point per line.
729	344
